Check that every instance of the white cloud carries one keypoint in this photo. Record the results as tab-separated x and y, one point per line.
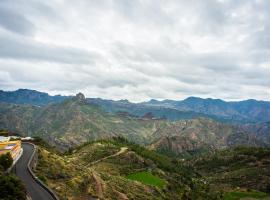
137	49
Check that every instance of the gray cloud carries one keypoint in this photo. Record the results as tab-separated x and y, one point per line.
15	22
137	50
27	49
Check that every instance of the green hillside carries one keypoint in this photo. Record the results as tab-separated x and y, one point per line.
242	169
107	168
118	169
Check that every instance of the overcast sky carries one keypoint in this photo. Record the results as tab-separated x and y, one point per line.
137	49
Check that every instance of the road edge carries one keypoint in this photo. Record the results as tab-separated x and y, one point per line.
34	176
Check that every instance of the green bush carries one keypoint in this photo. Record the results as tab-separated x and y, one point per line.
11	188
6	161
43	179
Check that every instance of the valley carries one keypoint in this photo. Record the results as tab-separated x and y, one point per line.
74	121
88	152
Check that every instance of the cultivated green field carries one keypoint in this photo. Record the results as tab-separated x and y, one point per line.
250	195
147	178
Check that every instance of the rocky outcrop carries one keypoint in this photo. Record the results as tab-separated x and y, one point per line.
80	97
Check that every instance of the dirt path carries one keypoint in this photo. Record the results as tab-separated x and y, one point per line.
121	151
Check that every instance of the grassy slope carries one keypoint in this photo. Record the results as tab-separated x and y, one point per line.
75	175
242	167
147	178
103	179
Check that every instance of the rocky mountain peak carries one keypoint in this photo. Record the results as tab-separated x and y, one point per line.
80	97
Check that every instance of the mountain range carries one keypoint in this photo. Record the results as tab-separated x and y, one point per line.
240	111
92	148
66	122
32	97
247	111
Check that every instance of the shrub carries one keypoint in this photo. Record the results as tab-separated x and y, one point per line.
11	188
6	161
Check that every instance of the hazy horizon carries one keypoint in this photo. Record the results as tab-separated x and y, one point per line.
55	94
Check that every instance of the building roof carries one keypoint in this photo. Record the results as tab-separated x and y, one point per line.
4	139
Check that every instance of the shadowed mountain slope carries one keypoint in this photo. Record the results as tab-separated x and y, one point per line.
31	97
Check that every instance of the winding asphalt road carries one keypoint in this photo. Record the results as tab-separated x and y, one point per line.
35	191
